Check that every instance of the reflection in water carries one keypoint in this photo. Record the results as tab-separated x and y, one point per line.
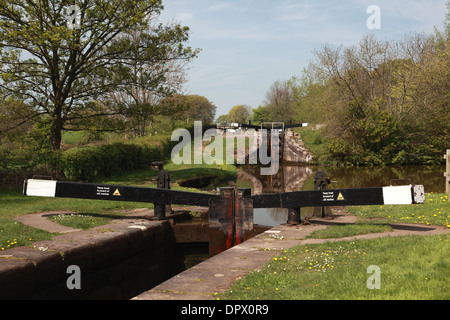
297	177
287	179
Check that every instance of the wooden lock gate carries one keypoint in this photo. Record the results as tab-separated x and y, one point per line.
231	211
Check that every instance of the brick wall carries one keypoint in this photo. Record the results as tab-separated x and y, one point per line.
116	261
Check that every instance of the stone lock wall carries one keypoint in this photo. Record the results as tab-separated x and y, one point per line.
116	261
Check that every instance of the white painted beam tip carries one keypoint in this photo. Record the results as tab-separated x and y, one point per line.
40	188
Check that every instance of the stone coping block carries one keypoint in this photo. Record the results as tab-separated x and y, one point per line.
103	254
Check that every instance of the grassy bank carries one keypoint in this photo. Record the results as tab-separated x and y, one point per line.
435	211
412	267
91	213
314	140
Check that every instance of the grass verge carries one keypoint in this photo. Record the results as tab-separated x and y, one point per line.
411	267
435	211
15	234
341	231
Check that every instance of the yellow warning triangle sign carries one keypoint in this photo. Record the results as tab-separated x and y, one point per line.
340	196
116	193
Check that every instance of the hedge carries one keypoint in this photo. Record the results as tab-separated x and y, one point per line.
91	162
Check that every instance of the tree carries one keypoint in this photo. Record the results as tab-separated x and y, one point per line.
148	78
280	100
239	114
223	120
382	99
261	114
60	68
190	108
310	97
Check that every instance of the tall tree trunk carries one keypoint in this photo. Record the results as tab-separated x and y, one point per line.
55	132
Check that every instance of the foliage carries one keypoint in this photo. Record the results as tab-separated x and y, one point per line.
70	72
239	114
222	120
262	114
88	163
373	139
190	108
280	101
382	102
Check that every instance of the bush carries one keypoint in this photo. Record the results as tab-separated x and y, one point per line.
91	162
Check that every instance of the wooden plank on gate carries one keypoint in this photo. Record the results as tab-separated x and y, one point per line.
220	232
243	220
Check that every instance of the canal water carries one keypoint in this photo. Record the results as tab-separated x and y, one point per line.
300	177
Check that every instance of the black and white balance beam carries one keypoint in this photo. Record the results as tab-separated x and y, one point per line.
62	189
392	195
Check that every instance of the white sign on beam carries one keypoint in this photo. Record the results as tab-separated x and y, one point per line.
397	195
41	188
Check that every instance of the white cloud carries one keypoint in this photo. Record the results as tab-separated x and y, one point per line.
218	7
184	17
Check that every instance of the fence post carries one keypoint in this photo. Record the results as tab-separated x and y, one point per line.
321	182
293	216
163	182
447	174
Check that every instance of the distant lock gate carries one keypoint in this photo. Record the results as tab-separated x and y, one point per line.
231	211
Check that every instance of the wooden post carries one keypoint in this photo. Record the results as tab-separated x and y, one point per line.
447	174
163	182
243	216
230	219
221	222
321	182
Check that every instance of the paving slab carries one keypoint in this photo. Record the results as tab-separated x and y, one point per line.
40	221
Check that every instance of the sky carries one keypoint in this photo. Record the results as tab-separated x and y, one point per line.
246	45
